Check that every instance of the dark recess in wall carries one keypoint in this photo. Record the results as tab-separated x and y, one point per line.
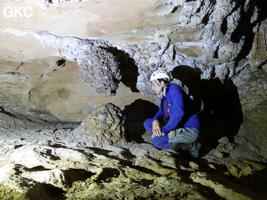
136	113
128	68
221	114
46	191
245	26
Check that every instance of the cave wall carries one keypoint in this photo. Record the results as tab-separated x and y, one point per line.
55	64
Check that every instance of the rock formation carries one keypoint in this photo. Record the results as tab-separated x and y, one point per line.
61	60
101	70
60	161
107	123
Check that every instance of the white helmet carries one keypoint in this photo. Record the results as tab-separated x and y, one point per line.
160	74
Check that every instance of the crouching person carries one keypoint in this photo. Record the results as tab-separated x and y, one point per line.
176	124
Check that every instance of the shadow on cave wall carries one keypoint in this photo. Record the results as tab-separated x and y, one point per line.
221	114
246	24
245	27
45	191
136	113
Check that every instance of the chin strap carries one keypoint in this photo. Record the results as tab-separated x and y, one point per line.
160	95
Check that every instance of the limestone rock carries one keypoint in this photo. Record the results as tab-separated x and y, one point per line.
61	162
198	33
225	145
52	90
201	34
252	136
259	50
74	64
224	188
101	70
237	172
252	88
107	123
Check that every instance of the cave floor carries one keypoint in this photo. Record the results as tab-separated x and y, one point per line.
60	162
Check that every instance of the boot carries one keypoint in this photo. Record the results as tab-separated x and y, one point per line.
194	149
147	137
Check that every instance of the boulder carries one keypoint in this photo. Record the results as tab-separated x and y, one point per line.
107	123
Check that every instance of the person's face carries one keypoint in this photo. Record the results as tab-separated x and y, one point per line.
157	86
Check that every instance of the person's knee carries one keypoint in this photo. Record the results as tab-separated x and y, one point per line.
156	142
148	124
183	135
161	142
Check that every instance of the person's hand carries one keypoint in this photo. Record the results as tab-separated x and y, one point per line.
156	131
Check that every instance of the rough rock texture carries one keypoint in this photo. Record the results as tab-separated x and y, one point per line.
200	33
69	57
107	123
208	35
251	83
252	135
62	162
204	34
101	70
259	51
225	190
